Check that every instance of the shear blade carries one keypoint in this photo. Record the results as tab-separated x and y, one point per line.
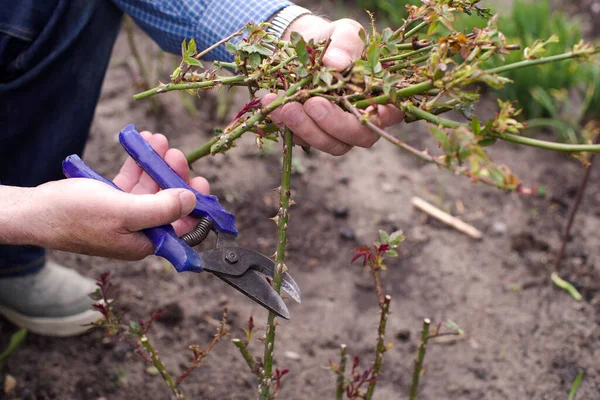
266	267
247	260
253	285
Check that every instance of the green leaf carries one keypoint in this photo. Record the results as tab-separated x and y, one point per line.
183	48
257	48
391	253
439	135
326	77
135	326
15	341
301	71
475	126
192	61
300	46
230	47
432	27
254	59
363	36
454	326
566	286
386	34
373	55
486	142
575	385
396	238
383	235
191	50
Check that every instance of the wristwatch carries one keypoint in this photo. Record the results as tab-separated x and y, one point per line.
282	20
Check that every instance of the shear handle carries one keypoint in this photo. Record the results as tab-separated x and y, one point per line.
166	242
145	156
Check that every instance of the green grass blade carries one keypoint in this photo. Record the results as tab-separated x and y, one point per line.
15	341
575	385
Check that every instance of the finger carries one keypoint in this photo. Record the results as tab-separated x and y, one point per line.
346	45
146	184
276	114
150	210
295	118
389	115
186	224
130	172
176	160
299	141
338	123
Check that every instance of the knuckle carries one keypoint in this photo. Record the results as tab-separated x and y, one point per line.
351	23
292	114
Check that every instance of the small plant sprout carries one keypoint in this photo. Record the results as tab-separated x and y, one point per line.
135	333
354	387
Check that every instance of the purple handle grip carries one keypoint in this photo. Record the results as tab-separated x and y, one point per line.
145	156
166	242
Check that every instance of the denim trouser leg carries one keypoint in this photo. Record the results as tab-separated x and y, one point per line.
48	101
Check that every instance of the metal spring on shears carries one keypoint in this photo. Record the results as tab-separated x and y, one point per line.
199	233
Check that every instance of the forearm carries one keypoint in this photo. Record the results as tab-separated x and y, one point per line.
16	211
169	22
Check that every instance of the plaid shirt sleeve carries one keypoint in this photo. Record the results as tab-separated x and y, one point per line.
168	22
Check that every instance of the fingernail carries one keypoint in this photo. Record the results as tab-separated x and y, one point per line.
188	202
317	112
337	59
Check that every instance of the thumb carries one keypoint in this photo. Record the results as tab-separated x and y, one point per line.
164	207
346	45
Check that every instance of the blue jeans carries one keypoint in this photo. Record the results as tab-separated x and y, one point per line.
53	57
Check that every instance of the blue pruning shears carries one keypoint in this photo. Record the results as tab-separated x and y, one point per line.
241	268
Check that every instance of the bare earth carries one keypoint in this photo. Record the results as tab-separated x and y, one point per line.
524	338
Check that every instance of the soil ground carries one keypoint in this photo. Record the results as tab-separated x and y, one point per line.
524	338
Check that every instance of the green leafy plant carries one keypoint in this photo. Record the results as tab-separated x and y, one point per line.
353	386
16	339
136	334
524	24
575	385
425	66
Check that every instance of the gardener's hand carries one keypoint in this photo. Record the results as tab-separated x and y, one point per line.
320	123
89	217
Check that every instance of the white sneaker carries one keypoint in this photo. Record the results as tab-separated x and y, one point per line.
52	302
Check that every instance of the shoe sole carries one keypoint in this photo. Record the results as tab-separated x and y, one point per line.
58	326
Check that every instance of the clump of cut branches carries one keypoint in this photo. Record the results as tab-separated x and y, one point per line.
424	67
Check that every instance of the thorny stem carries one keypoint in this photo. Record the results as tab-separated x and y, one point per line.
419	360
407	55
528	63
290	95
339	393
282	220
201	151
574	209
417	88
158	364
380	348
413	90
226	80
542	144
423	155
243	347
185	69
416	29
